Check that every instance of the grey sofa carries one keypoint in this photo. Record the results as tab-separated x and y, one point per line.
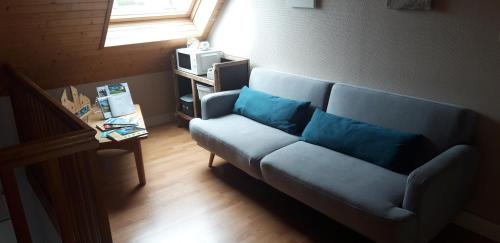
381	204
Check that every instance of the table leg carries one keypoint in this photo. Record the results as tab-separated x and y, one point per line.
139	163
211	160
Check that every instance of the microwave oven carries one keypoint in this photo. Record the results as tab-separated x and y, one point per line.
197	61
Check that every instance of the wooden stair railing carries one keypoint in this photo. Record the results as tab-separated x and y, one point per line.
58	151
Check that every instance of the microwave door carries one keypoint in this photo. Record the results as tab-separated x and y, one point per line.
184	60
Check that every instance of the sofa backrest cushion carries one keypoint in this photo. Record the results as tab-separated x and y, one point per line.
442	124
291	86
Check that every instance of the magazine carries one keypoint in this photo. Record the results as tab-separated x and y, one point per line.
116	99
131	121
121	104
104	104
107	127
126	133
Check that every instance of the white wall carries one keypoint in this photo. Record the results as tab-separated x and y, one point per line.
449	54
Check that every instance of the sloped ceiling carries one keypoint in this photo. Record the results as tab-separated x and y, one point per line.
56	43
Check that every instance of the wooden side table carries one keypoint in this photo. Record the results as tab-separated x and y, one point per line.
132	144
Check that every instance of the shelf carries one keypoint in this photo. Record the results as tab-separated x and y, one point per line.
201	79
231	73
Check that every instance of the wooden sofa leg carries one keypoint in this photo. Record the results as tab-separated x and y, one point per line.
211	160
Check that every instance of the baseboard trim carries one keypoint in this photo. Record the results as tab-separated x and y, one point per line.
478	225
158	119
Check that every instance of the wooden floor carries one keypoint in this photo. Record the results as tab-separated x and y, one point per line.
185	201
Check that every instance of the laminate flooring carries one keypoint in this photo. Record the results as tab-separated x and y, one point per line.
185	201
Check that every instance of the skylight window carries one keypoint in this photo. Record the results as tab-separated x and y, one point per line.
125	10
142	21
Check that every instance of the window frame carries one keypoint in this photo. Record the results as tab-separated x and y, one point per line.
199	23
146	17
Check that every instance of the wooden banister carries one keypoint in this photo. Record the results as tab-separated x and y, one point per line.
51	104
47	149
58	150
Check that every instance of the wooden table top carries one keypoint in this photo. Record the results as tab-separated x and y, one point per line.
96	118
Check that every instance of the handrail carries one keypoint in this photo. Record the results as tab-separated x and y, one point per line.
47	149
43	97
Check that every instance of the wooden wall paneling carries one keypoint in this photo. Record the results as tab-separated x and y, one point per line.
58	43
29	17
33	23
34	31
15	6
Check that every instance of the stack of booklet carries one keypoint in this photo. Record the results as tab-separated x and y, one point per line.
121	128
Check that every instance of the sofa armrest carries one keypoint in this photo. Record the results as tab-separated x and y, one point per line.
437	190
218	104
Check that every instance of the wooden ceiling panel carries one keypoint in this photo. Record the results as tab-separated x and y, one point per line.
56	42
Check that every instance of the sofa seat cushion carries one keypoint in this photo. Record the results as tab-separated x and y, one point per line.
239	140
359	194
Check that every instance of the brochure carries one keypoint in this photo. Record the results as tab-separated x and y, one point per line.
121	104
122	121
126	133
104	104
116	99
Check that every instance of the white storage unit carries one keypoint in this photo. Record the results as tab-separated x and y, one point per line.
204	90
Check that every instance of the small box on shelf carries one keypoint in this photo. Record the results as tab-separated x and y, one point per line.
204	90
187	104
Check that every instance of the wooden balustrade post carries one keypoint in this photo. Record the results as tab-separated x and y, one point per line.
15	206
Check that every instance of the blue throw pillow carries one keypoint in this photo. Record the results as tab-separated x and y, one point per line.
284	114
391	149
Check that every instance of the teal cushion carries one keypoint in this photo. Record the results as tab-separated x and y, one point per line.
284	114
391	149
